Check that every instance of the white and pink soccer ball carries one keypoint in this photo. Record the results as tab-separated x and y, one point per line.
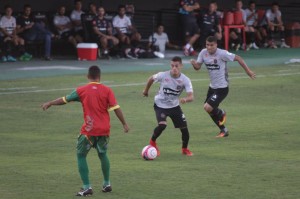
149	152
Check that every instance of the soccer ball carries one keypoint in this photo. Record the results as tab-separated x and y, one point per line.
149	152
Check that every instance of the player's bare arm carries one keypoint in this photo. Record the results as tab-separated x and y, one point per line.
242	63
188	8
58	101
148	85
120	116
188	98
195	64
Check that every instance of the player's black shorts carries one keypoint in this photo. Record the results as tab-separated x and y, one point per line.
175	114
216	96
190	25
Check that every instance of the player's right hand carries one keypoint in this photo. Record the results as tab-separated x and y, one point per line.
145	93
45	106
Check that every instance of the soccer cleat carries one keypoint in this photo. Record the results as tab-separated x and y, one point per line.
11	59
284	45
223	118
153	143
223	133
187	152
4	59
106	188
159	54
85	192
254	46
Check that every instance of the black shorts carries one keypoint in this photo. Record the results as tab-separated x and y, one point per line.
216	96
175	114
190	25
67	34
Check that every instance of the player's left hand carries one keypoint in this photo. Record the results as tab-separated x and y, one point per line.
126	128
145	93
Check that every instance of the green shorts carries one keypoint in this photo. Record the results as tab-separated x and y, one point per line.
85	143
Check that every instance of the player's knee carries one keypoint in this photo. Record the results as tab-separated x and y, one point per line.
207	108
162	126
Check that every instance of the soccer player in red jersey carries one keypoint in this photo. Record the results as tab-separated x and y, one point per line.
97	100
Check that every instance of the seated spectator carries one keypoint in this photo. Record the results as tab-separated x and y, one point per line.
159	40
125	32
30	30
103	31
64	27
76	20
273	23
251	25
93	9
9	34
209	24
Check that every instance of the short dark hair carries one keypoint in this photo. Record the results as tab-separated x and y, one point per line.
7	6
212	39
275	3
26	6
121	6
75	1
177	59
251	2
94	72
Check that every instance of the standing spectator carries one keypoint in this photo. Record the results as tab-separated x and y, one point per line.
126	33
273	23
103	30
251	24
9	34
190	25
64	27
30	30
76	20
159	40
209	24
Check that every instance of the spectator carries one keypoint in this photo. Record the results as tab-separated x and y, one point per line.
93	9
126	33
30	30
64	27
103	30
159	40
190	26
274	24
209	24
251	25
9	34
76	20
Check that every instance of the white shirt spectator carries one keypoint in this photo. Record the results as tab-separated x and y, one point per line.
160	41
76	16
61	20
122	23
272	16
251	20
8	24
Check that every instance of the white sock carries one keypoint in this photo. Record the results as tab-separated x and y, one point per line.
187	46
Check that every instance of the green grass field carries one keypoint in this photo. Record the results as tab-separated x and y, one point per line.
259	160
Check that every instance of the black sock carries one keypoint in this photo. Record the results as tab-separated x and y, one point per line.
185	136
216	115
157	131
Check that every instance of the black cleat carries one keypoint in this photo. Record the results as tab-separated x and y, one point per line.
85	192
106	189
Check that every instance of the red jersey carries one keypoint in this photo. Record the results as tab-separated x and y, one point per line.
96	99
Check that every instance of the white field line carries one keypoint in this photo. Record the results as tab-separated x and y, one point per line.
142	83
17	88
